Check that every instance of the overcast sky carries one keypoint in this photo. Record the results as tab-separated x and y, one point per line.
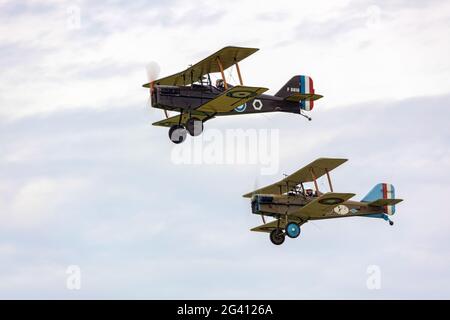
86	180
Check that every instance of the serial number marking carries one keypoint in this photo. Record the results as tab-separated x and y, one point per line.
233	309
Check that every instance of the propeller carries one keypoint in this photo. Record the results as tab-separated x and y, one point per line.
153	69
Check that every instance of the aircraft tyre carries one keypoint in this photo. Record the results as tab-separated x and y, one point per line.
292	230
194	126
277	236
177	133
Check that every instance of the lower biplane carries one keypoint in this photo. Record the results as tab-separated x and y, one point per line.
292	204
192	94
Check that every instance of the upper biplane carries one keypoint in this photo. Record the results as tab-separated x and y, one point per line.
292	204
192	94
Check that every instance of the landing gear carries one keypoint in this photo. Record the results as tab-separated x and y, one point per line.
194	126
277	236
391	223
177	133
292	230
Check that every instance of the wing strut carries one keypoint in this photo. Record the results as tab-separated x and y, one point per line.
329	179
223	74
238	71
313	175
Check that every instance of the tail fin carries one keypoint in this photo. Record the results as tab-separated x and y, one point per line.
383	194
300	89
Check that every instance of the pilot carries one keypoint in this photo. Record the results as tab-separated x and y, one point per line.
220	84
309	193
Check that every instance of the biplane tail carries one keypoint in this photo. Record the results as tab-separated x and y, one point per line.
382	195
300	89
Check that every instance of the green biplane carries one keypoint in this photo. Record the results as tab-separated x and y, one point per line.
292	204
197	100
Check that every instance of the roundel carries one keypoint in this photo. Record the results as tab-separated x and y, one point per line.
331	201
240	94
241	108
257	104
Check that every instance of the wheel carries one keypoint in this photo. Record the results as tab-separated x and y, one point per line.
292	230
391	223
277	236
194	126
177	133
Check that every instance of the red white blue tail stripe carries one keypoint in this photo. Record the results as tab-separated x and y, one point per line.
388	193
382	191
306	87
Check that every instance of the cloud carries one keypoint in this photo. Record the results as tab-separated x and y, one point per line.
49	67
132	206
33	203
86	180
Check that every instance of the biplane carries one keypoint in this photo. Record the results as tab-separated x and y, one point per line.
192	94
291	204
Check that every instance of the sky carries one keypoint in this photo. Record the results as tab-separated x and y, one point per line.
87	183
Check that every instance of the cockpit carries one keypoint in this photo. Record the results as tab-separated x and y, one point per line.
220	84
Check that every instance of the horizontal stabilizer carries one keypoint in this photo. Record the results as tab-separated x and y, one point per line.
384	202
297	97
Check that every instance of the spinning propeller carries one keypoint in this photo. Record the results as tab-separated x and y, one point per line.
153	71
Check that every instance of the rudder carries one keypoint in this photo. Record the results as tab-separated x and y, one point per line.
300	86
382	191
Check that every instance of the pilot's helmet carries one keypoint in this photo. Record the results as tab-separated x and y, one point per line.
219	83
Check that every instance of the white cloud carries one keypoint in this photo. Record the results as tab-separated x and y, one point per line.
401	54
38	200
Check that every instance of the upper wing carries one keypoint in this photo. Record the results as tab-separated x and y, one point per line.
176	119
322	205
316	169
230	99
228	56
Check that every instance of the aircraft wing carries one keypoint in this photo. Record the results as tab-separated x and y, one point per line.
268	227
176	119
316	168
230	99
322	205
228	56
